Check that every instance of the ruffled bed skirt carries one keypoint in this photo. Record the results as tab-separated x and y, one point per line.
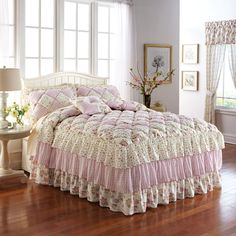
127	203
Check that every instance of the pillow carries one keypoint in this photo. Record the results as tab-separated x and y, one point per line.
27	91
104	92
126	105
90	105
43	102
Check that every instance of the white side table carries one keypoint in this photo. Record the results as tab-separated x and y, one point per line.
5	136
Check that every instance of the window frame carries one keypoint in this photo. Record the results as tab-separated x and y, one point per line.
219	107
21	38
109	33
58	34
76	30
13	27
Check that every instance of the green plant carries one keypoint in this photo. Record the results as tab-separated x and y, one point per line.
17	112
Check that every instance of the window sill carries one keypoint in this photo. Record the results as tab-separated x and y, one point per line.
226	111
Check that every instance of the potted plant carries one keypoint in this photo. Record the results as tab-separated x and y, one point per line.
150	81
17	112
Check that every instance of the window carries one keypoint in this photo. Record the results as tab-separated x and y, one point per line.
77	35
83	38
226	91
106	39
39	53
8	29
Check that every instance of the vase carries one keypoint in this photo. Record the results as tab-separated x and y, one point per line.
147	100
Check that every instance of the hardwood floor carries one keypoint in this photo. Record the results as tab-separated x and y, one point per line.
41	210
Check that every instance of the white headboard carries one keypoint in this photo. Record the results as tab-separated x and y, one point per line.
61	78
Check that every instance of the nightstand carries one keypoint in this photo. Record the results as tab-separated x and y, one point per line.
6	135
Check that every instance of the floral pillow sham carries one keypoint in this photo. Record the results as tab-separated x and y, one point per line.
90	105
110	95
45	101
104	92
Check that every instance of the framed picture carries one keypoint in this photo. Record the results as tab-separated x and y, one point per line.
158	57
190	53
190	80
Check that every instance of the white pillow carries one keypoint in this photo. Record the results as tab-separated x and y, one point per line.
90	105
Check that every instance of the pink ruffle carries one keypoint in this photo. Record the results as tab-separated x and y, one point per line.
127	180
128	203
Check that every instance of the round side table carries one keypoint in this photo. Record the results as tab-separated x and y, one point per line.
5	135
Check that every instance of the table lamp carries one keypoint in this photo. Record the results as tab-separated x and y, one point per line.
9	81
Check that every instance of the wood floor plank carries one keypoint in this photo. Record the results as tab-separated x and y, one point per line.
41	210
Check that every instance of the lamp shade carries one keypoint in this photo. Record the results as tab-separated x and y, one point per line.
10	79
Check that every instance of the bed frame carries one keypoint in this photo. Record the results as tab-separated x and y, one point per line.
53	80
60	78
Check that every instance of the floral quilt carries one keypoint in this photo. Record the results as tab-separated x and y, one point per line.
77	152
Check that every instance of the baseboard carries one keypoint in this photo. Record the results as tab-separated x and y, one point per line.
230	138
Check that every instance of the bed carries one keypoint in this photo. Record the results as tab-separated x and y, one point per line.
125	157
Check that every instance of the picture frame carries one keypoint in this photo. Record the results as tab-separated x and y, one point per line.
190	80
157	51
190	53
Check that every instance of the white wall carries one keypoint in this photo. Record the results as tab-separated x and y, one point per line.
157	22
193	15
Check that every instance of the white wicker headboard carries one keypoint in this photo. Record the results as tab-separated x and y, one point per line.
61	78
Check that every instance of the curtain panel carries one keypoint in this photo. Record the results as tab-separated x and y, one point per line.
214	64
125	49
232	61
219	34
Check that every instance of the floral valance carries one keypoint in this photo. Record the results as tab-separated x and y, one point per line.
221	32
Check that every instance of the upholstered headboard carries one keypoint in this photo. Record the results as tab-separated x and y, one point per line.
61	78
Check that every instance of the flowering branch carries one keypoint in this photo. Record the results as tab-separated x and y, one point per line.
147	83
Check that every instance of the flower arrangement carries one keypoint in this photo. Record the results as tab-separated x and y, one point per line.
17	112
149	82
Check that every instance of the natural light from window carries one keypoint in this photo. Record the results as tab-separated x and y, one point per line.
85	39
226	91
39	37
77	37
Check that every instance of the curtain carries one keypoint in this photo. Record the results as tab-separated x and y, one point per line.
123	49
4	33
214	62
232	61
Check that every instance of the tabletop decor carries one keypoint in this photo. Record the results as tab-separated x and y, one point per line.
9	81
149	82
17	112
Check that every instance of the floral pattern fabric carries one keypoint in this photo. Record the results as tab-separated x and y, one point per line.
90	105
129	203
45	101
123	139
221	32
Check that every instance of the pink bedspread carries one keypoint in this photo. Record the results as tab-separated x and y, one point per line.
128	160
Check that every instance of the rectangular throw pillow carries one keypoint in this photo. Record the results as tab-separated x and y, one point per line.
90	105
43	102
104	92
